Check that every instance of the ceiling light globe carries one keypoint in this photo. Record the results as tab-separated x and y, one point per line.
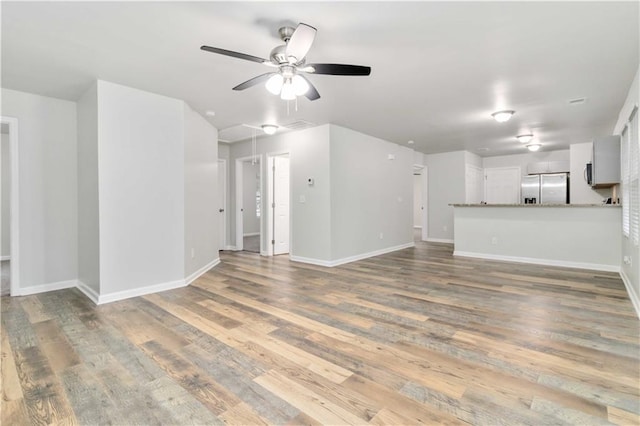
502	116
524	138
300	85
288	93
533	147
269	129
274	84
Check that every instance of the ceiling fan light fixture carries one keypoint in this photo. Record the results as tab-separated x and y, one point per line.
274	84
300	85
525	138
533	147
502	116
288	92
269	129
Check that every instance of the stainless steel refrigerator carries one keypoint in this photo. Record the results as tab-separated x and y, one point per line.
552	188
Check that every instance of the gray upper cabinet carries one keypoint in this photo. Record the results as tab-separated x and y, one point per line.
606	162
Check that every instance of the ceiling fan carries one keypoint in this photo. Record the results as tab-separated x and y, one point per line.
288	81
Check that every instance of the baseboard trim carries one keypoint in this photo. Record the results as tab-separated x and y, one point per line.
635	298
88	291
127	294
3	258
191	278
440	240
536	261
417	227
230	248
344	260
251	234
43	288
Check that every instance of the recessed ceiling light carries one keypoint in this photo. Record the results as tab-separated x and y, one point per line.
534	147
525	138
483	149
502	116
269	129
410	142
210	113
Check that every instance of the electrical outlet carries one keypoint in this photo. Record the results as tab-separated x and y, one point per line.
494	240
193	253
444	228
381	235
627	260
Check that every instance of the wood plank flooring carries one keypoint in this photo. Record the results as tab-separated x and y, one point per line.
411	337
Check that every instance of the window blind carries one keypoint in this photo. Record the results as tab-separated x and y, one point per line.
634	178
624	172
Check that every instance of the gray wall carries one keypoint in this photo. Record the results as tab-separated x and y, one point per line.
48	187
200	192
250	184
371	195
6	196
88	208
446	174
141	188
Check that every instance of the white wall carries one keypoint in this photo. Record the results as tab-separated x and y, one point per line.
584	237
223	150
48	187
200	193
250	184
141	188
5	169
446	186
630	272
522	160
580	191
371	195
417	201
88	208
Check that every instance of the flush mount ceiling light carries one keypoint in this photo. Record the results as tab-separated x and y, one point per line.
525	138
502	116
533	147
269	129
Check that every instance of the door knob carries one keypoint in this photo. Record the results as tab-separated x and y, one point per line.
221	210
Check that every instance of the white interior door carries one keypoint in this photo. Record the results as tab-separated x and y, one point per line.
281	205
474	187
502	185
425	204
222	204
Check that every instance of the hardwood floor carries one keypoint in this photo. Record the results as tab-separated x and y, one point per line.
415	336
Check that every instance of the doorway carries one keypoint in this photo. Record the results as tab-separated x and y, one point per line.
249	204
420	199
9	207
222	204
279	213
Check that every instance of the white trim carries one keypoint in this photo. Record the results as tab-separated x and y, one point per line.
88	291
251	234
417	227
15	204
3	258
635	298
338	262
264	253
231	248
536	261
127	294
42	288
191	278
440	240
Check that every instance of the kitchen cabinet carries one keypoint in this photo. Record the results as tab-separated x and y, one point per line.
543	167
605	162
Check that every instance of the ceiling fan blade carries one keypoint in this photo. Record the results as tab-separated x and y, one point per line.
233	54
312	94
337	69
300	43
255	80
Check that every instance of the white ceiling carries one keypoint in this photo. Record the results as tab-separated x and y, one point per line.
439	69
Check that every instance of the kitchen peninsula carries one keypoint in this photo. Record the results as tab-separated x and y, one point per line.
573	235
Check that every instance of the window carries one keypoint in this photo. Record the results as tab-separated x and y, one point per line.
624	172
634	178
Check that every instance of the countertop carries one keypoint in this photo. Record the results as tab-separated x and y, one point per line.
535	205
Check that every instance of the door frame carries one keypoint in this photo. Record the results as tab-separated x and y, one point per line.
269	201
239	166
14	208
223	238
424	182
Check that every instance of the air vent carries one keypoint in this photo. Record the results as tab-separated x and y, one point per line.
577	101
299	125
